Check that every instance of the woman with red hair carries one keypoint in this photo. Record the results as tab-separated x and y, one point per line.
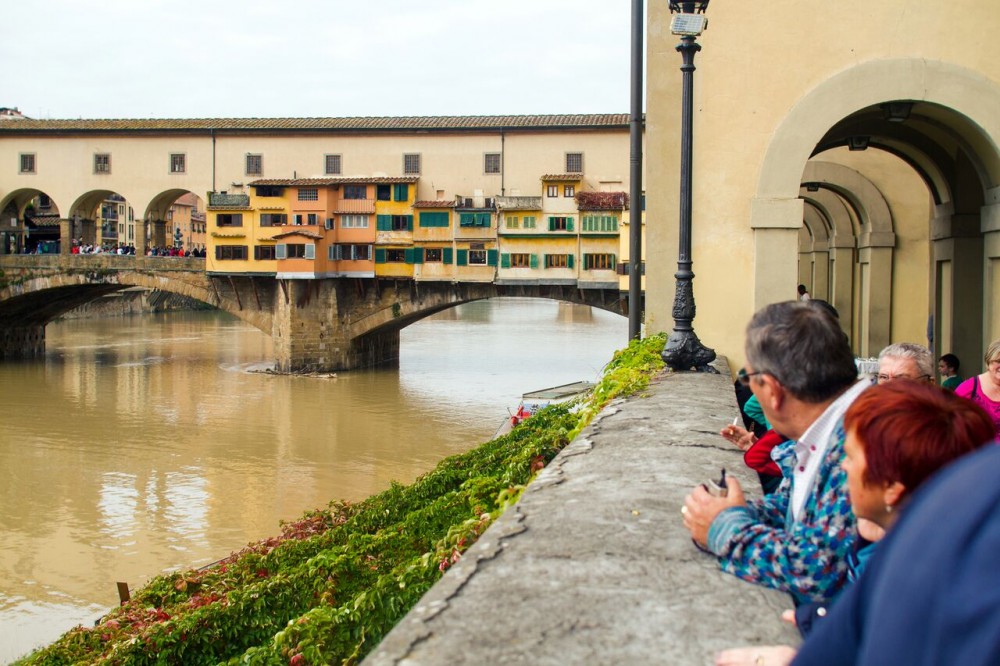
898	435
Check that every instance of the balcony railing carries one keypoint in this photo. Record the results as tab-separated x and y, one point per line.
354	206
475	203
222	200
519	203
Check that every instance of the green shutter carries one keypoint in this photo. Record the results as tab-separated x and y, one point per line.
310	251
281	251
533	261
491	257
462	258
402	192
482	219
380	255
409	223
408	255
569	261
418	255
552	224
446	255
545	261
614	261
429	219
383	222
569	224
505	260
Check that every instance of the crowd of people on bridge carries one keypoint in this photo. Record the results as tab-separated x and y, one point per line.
881	512
79	247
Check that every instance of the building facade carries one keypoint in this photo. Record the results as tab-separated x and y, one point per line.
849	146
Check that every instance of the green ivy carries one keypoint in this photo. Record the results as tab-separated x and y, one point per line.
332	584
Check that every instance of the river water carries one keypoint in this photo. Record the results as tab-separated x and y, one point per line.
152	443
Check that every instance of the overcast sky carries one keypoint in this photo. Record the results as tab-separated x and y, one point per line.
221	58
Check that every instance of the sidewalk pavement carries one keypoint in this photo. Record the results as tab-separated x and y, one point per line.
593	565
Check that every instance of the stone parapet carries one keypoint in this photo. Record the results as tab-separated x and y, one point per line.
593	565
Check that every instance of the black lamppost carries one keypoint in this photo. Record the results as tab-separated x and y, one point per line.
684	350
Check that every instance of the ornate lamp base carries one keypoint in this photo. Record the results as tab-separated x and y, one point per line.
684	351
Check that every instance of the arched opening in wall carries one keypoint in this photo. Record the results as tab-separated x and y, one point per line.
101	221
939	119
29	223
900	227
174	221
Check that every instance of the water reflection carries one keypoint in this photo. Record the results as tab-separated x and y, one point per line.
145	444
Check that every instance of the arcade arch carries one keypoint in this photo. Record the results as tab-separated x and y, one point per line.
937	119
27	216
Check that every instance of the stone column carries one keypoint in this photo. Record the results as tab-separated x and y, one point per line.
88	231
140	237
776	224
842	282
961	307
990	225
65	236
875	258
159	233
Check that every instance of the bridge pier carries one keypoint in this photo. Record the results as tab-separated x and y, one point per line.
310	334
22	342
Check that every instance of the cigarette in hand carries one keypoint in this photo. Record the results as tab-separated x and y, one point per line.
736	420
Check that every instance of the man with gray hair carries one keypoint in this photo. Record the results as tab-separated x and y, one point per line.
800	366
905	360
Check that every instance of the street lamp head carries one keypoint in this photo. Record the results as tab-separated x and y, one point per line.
689	18
688	6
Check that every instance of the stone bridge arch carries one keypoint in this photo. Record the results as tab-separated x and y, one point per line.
34	290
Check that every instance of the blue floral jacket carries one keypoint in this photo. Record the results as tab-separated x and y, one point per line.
761	543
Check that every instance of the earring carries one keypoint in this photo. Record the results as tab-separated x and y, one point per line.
888	508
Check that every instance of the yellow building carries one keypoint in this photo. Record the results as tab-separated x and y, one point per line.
433	238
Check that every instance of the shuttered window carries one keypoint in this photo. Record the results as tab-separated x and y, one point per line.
230	252
474	220
462	258
401	192
434	219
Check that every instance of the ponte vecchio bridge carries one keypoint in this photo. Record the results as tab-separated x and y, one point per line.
317	325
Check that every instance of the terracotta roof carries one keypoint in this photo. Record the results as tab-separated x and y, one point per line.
434	204
299	232
349	124
45	220
563	177
339	180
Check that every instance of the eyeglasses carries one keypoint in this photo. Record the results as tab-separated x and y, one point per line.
745	376
884	379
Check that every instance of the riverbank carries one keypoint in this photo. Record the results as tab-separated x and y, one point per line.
344	576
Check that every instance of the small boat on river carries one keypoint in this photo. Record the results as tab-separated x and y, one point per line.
534	401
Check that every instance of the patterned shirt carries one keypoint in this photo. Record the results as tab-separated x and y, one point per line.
804	556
